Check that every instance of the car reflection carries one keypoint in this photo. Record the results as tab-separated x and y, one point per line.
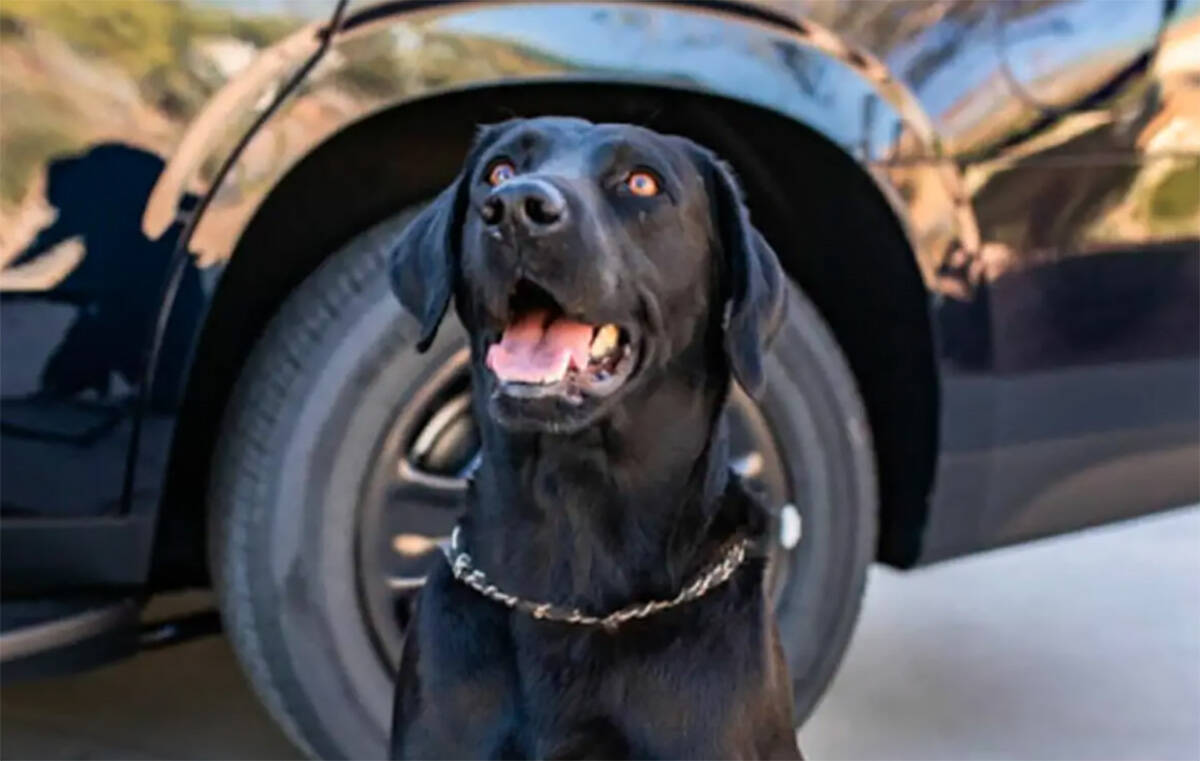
74	325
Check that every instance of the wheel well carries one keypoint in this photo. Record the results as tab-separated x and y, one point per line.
831	226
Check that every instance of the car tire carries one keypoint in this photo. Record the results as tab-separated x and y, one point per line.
815	410
298	440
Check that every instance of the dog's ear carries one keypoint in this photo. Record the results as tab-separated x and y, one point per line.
756	285
424	261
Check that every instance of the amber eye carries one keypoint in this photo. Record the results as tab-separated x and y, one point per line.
642	184
502	171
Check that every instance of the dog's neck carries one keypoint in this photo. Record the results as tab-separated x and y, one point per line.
624	511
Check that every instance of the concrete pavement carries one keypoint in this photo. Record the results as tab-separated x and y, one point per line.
1083	647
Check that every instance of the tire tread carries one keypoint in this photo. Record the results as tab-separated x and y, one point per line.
241	464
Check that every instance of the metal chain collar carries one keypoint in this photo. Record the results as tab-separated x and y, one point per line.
715	575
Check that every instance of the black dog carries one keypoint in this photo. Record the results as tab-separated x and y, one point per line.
611	285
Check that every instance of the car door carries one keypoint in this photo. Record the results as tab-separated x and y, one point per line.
97	98
1089	218
77	303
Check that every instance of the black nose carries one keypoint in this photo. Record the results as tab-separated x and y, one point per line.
528	203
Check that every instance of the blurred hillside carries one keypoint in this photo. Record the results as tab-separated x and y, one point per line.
75	72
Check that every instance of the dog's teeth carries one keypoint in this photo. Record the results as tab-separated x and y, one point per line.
606	338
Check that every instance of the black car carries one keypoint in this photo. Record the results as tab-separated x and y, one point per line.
994	207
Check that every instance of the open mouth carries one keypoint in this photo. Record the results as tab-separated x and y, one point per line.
543	352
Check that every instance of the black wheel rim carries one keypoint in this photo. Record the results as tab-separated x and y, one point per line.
415	490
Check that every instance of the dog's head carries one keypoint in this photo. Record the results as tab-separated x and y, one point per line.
584	260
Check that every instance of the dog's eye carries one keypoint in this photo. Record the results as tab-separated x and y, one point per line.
642	184
501	171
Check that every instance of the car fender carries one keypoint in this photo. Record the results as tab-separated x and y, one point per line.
387	54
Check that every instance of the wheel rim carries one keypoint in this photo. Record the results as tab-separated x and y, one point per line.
416	487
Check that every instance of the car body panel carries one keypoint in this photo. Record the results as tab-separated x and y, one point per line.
98	95
1049	216
386	56
1085	296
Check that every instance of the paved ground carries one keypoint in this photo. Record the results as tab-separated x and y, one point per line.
1080	648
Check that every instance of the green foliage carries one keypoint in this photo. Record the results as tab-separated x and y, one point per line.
34	128
148	40
136	35
1177	197
22	152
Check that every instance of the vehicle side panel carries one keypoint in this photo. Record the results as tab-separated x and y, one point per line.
97	97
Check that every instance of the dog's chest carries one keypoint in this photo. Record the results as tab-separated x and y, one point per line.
688	682
679	679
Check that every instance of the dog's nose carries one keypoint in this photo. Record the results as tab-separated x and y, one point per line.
531	204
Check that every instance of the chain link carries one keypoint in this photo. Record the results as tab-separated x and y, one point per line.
714	576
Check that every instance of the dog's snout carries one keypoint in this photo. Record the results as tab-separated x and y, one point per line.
543	209
492	211
533	205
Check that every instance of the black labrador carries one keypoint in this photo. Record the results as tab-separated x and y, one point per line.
605	593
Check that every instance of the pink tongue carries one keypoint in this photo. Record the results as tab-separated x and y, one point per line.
531	353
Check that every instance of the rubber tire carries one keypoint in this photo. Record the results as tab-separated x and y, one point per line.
315	396
814	408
